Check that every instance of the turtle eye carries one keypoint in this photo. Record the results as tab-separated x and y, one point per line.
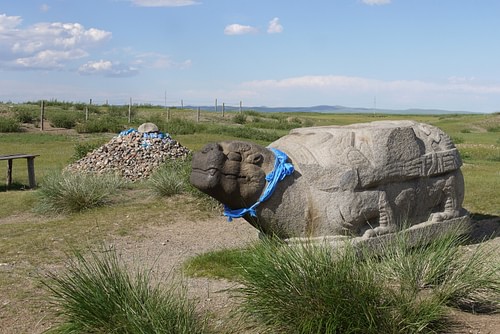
234	156
255	158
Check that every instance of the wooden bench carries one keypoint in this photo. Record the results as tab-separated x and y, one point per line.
30	158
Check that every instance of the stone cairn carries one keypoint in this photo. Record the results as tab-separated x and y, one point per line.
133	154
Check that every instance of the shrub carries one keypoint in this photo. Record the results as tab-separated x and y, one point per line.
8	124
100	125
71	192
63	120
99	294
24	115
179	126
240	118
252	113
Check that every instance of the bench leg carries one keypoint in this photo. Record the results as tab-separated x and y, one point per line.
9	172
31	172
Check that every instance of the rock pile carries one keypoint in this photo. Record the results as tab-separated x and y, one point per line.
132	154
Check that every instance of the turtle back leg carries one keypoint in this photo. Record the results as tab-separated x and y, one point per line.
452	199
386	218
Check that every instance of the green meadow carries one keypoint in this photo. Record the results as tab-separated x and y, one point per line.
31	242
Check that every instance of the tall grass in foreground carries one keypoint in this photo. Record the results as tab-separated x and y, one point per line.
99	294
315	289
74	192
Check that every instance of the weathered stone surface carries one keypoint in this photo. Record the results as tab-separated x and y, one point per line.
358	180
148	127
133	155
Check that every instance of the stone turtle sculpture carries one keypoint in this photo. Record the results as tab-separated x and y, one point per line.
358	180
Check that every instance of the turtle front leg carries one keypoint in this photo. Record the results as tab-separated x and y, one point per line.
386	218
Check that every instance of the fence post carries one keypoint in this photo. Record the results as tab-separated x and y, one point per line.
223	108
129	109
42	114
240	108
86	113
168	114
198	115
215	105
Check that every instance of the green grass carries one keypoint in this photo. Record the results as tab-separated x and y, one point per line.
172	178
74	192
314	289
98	293
227	264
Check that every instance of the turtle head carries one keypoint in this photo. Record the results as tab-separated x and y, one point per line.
233	172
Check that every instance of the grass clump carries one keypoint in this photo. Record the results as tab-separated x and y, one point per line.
74	192
99	294
172	178
306	289
400	289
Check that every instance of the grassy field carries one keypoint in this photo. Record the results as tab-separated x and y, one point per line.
35	242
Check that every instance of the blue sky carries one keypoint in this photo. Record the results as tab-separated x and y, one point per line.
391	54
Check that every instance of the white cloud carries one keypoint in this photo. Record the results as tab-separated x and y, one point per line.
107	68
44	8
8	23
159	61
164	3
238	29
49	59
274	26
45	45
376	2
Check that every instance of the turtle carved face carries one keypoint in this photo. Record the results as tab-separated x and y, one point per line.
232	172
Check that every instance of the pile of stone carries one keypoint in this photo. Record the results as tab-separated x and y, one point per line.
133	154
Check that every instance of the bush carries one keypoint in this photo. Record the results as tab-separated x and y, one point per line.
179	126
63	120
99	294
315	289
8	124
24	115
240	118
71	192
100	125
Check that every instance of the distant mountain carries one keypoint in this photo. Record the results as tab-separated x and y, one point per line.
341	110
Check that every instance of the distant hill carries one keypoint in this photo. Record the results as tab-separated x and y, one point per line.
342	110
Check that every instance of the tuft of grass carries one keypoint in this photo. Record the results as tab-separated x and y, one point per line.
312	288
309	289
72	192
172	178
100	294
